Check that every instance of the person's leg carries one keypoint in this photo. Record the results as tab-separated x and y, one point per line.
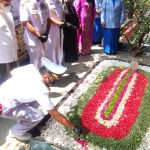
95	32
115	40
43	52
28	117
8	69
31	121
70	46
79	39
100	31
59	49
34	53
107	40
51	48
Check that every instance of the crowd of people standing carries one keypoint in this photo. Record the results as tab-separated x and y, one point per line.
66	29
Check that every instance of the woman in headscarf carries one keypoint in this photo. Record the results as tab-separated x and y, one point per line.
70	46
86	13
112	17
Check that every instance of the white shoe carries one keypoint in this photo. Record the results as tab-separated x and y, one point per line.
25	137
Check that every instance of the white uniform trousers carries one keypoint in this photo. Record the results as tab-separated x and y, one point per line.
55	48
27	114
36	53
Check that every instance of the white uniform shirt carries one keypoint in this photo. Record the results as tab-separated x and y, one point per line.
24	87
8	42
37	13
56	11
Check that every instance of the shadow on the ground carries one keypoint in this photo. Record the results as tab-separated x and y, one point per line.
71	77
54	94
97	51
5	125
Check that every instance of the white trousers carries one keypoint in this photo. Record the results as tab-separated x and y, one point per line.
36	53
55	48
28	116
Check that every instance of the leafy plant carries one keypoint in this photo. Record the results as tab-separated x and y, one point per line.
138	28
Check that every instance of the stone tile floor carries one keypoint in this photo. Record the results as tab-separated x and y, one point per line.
74	73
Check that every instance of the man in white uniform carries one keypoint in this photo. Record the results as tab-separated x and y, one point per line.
55	46
8	42
35	15
21	95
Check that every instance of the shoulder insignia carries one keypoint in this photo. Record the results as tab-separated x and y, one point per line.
35	12
24	2
22	5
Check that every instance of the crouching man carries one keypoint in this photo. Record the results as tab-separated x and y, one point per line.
21	95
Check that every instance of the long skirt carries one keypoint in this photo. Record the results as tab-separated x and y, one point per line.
97	31
111	40
84	41
70	45
85	34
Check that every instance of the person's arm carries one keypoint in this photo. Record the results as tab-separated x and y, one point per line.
78	7
1	11
103	14
97	7
61	24
55	21
45	102
122	12
48	26
25	17
77	23
29	26
98	11
60	118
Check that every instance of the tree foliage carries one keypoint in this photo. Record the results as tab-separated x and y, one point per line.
138	11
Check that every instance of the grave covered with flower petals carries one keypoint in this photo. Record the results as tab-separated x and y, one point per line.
112	105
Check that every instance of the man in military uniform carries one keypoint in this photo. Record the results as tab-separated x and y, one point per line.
21	95
55	46
36	18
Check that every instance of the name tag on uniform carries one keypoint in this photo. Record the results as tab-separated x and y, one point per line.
35	14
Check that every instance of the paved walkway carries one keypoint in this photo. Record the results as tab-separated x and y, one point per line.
75	72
